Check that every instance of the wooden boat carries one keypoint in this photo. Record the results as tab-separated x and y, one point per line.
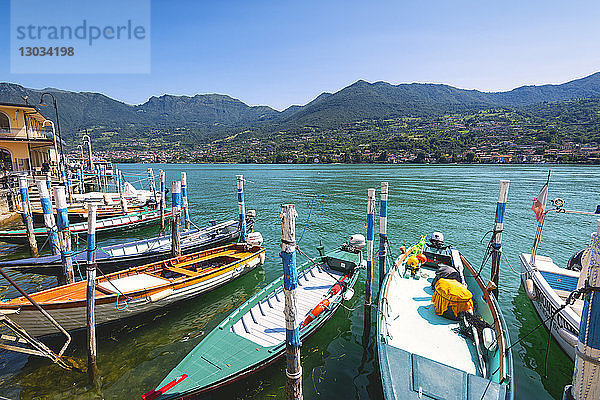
135	290
80	214
131	221
131	254
253	336
548	286
425	355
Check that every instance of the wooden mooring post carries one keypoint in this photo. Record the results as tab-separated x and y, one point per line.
293	369
184	201
369	277
90	294
26	213
64	235
162	200
241	206
497	235
176	221
586	384
383	231
49	220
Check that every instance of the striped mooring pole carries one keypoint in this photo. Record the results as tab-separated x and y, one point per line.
184	201
370	237
80	178
69	188
383	231
241	206
497	238
176	221
64	235
162	200
586	377
122	198
152	185
49	181
26	214
90	293
293	370
98	178
49	221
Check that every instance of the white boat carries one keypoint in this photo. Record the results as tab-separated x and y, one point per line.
460	353
548	286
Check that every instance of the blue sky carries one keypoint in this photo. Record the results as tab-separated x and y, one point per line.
283	53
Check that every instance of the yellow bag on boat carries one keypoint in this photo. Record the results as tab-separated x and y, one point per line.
450	292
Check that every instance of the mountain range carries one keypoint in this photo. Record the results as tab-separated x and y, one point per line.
209	116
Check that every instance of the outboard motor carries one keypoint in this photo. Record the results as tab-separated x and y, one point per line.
254	239
437	240
250	219
357	241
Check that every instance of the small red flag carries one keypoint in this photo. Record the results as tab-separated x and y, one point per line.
539	203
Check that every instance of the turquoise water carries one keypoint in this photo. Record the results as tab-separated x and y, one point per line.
460	201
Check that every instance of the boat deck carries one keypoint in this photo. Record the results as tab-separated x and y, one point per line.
141	278
563	281
413	326
264	324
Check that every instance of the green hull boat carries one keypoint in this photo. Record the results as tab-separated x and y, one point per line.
253	336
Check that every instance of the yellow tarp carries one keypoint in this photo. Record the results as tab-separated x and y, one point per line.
450	292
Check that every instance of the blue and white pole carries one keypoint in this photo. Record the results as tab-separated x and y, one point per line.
121	194
80	178
176	221
152	185
49	181
241	206
293	370
162	200
49	221
26	214
98	178
118	178
90	292
184	201
383	231
370	237
69	188
586	378
64	235
497	239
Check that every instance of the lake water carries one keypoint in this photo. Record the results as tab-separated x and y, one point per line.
459	201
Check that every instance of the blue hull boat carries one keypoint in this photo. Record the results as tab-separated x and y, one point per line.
133	254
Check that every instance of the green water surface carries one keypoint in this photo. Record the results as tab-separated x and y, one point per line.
460	201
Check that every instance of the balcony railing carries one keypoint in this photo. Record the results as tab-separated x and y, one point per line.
23	134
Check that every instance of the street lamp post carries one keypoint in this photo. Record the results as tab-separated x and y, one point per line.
89	143
62	153
58	163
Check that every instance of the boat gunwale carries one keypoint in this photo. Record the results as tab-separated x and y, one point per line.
145	292
552	296
276	351
506	365
78	227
